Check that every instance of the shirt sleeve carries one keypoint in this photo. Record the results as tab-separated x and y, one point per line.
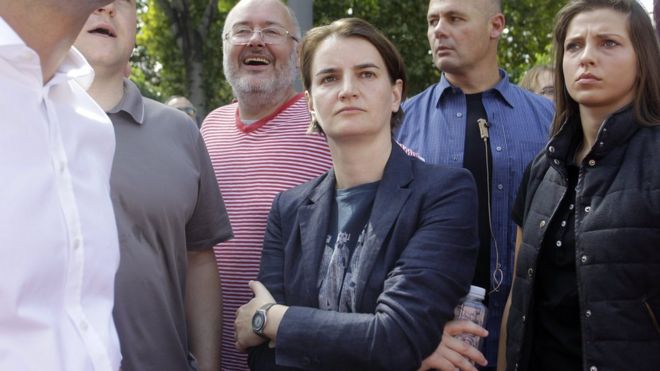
209	223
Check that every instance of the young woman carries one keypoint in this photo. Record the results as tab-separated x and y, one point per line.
586	292
367	262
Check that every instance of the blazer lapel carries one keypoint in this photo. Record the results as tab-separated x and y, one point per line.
390	198
313	221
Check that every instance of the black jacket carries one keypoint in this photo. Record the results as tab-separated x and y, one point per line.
617	244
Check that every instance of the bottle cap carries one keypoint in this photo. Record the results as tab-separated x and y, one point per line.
478	292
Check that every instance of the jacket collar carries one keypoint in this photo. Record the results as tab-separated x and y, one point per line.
391	195
615	131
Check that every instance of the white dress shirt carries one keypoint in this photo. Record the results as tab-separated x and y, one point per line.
58	239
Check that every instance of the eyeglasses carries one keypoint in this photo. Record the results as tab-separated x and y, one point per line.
548	91
272	35
189	110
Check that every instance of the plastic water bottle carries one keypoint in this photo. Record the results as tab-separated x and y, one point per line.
472	308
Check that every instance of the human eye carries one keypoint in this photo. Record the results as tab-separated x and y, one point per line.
369	75
327	79
432	21
273	31
608	43
571	46
241	31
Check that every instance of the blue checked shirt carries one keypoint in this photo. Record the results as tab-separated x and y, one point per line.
519	123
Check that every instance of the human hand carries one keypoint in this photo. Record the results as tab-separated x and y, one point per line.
244	336
454	354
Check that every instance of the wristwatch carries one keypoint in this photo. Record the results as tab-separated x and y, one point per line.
259	319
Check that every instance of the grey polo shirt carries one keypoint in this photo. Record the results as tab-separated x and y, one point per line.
166	202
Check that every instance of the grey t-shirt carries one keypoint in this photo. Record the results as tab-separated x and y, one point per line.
343	247
166	202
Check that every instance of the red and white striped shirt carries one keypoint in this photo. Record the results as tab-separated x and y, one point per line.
253	163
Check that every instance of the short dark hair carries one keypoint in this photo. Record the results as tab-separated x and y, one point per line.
353	27
646	100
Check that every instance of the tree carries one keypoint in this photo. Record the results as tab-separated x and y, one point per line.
179	50
527	39
180	47
402	21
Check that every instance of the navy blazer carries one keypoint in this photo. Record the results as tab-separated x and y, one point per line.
421	245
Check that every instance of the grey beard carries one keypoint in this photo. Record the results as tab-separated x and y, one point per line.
261	92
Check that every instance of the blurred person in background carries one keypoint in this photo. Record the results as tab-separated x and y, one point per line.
540	80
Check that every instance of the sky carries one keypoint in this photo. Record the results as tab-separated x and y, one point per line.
648	4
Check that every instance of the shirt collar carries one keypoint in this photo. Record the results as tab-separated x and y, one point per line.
131	103
74	66
502	89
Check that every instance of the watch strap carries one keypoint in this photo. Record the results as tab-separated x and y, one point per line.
264	311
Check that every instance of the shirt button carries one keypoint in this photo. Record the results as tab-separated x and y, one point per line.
500	187
558	243
83	325
77	243
593	368
556	162
584	259
530	272
587	209
592	162
542	224
60	165
587	313
571	207
563	223
498	149
459	115
524	318
551	149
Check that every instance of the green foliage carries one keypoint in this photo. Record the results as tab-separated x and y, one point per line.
158	63
403	21
528	38
160	71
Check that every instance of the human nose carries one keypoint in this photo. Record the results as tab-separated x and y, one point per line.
109	8
256	39
588	54
348	89
439	29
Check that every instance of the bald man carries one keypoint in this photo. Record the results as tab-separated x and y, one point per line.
475	118
258	145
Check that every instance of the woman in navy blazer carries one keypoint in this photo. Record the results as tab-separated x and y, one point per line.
415	255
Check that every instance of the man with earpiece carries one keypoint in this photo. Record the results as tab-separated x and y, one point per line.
475	118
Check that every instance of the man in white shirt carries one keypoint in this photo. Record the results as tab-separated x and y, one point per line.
58	240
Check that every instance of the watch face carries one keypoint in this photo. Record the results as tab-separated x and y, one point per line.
257	321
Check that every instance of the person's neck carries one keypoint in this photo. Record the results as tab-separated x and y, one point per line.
475	80
359	161
107	89
52	45
252	107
